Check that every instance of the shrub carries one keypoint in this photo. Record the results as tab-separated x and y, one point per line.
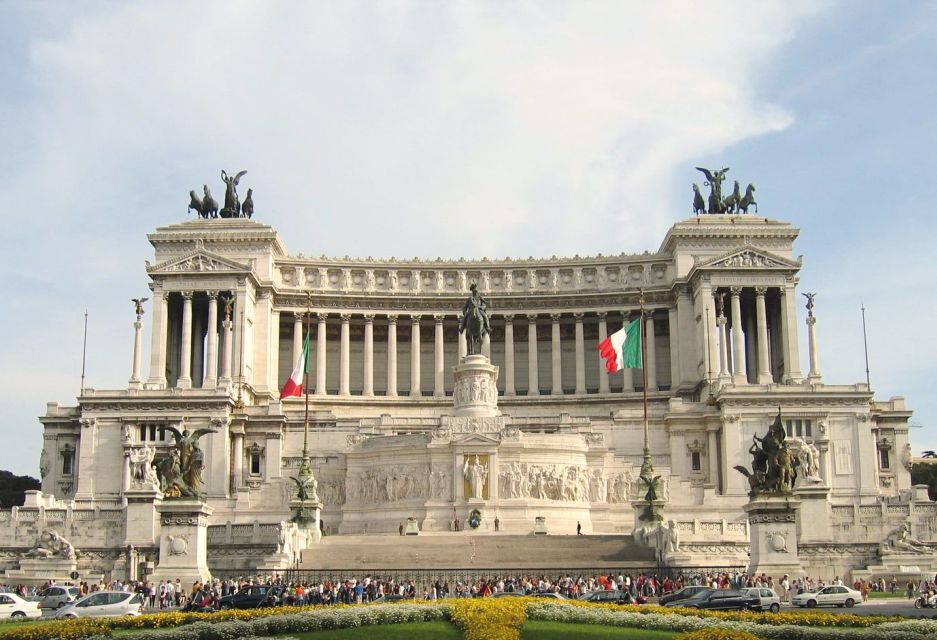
717	633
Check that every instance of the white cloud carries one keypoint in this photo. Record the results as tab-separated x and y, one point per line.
433	128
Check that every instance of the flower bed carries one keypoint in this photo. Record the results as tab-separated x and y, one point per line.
490	618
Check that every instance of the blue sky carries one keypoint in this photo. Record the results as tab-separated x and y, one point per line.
375	128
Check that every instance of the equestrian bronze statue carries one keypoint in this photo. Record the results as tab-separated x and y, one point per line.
474	321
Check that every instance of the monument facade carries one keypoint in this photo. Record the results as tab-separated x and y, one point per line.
514	418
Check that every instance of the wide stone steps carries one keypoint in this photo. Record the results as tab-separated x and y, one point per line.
464	550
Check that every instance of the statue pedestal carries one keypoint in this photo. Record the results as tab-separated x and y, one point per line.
413	528
475	389
142	516
183	543
308	516
773	535
38	571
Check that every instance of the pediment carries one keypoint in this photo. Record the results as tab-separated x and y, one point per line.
749	258
197	261
476	439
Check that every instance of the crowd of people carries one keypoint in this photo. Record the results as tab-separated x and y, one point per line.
172	594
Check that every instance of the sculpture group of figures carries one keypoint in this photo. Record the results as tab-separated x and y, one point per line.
735	202
393	484
774	465
180	471
663	537
473	389
142	472
51	544
207	206
571	483
474	321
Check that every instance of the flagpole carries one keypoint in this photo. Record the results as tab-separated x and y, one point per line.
647	468
865	344
306	386
84	352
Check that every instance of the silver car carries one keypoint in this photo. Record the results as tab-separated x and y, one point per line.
56	596
103	604
769	600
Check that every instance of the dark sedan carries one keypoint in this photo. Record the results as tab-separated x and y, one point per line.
251	597
719	599
683	594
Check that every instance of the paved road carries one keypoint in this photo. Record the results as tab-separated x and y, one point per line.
879	607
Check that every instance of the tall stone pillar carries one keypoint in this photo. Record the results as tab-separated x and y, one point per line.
237	460
739	371
627	375
486	345
136	376
556	357
603	372
580	355
415	391
723	326
439	378
185	373
157	379
509	389
651	352
814	375
211	348
789	343
674	337
391	355
344	370
297	336
321	330
463	345
227	328
368	388
713	456
533	378
761	318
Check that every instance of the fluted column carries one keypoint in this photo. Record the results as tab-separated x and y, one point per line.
368	388
789	343
722	326
509	356
580	355
136	379
627	375
157	377
533	379
415	391
439	370
227	355
651	352
603	372
185	361
320	353
739	371
211	348
712	450
556	356
813	348
344	370
761	318
391	355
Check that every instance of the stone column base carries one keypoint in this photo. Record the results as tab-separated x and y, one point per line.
183	542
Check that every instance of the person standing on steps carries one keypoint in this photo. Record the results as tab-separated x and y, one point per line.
400	529
578	529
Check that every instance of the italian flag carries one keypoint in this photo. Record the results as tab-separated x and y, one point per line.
294	386
622	349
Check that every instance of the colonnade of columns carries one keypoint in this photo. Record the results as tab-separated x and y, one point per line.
508	373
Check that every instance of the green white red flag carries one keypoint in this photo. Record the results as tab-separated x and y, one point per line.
294	386
622	349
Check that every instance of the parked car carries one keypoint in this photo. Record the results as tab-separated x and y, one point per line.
391	597
602	596
837	595
102	604
521	594
13	606
682	594
719	599
768	599
249	597
55	597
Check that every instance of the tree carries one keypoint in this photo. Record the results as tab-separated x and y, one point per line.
925	473
13	489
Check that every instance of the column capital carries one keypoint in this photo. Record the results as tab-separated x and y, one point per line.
579	315
322	317
532	318
735	291
165	296
416	317
369	318
439	317
392	318
602	315
212	295
555	317
298	317
508	318
761	291
187	295
345	317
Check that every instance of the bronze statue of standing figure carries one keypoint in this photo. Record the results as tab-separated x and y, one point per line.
474	321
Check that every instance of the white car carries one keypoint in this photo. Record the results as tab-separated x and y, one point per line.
769	600
103	604
13	606
825	596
